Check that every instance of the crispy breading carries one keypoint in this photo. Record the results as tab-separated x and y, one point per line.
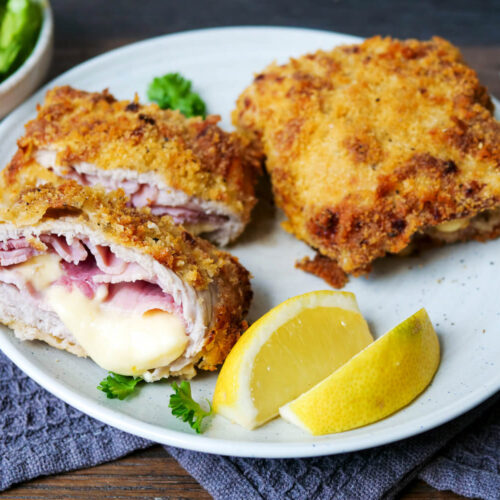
193	259
325	268
22	172
370	145
192	155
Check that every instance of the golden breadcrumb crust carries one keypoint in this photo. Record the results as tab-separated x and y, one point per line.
192	155
325	268
368	145
193	259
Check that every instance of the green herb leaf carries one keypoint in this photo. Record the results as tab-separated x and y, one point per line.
172	91
118	386
186	408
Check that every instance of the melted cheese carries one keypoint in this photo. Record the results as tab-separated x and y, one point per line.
122	342
453	225
40	271
201	227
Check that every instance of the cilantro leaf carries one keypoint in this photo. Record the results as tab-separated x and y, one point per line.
186	408
118	386
172	91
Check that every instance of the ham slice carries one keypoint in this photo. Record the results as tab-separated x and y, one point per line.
148	195
131	272
144	195
17	256
207	218
73	252
106	260
183	215
88	267
139	297
14	244
81	276
16	251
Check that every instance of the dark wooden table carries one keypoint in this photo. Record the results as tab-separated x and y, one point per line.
85	29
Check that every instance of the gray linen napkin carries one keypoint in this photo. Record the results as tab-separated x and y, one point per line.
41	435
470	466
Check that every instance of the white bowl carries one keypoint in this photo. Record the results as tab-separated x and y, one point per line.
21	84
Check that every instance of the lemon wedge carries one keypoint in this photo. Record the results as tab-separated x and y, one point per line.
286	352
378	381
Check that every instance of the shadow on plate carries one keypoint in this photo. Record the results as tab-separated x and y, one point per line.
263	219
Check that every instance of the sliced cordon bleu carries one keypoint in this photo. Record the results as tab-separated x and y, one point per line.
189	169
141	296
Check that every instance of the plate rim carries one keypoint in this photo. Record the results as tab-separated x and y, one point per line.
203	443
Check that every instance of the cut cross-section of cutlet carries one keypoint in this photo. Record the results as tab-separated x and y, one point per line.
372	148
141	296
189	169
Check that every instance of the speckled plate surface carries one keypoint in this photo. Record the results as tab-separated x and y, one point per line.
457	284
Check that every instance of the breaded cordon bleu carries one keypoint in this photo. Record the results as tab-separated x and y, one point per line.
375	148
188	169
136	293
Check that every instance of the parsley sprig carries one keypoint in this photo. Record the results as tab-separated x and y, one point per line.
172	91
118	386
186	408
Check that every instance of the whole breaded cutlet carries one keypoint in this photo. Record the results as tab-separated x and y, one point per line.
188	168
375	147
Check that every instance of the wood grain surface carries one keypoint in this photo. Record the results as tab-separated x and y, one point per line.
85	29
150	474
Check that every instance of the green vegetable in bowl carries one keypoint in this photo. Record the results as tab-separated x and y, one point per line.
172	91
20	24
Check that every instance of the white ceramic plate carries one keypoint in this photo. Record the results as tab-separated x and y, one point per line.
457	284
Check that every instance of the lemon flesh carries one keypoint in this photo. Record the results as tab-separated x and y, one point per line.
378	381
286	352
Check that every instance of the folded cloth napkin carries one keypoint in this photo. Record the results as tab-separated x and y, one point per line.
40	435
